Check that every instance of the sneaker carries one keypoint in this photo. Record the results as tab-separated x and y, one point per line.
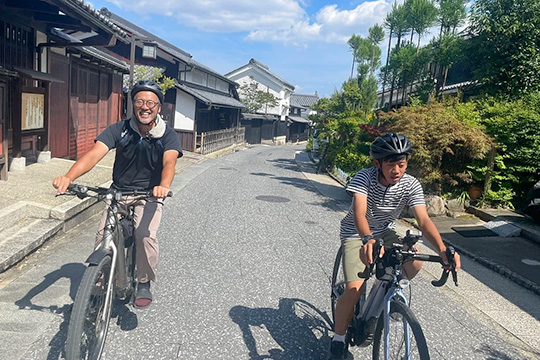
143	297
338	350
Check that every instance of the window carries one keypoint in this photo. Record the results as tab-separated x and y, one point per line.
149	51
199	77
211	81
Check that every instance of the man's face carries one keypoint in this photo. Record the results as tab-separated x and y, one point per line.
144	111
393	171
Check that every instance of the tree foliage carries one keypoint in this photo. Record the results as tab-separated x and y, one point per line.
255	99
508	43
144	72
443	144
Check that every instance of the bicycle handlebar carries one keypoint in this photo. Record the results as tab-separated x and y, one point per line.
81	191
409	240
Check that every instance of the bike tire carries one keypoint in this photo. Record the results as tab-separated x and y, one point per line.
338	283
404	317
86	333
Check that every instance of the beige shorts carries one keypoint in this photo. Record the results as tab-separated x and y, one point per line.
352	265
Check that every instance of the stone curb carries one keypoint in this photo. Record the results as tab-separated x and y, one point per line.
527	233
27	242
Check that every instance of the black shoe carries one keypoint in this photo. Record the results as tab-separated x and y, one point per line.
338	350
143	297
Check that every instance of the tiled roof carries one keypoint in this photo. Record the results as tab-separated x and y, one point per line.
88	8
264	68
163	44
299	119
92	51
303	100
211	98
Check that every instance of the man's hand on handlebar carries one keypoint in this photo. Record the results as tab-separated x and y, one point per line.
447	265
366	252
160	191
61	183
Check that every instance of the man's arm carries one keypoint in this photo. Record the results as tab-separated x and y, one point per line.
167	174
362	226
81	166
430	232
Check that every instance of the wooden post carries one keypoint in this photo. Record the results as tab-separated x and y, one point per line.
489	172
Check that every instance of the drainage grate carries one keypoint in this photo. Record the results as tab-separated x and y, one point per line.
270	198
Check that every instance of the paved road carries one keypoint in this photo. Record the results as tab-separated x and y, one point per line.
247	244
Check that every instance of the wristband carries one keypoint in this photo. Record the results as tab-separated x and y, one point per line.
366	238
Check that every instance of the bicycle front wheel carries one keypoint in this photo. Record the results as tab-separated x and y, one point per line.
90	317
401	318
338	283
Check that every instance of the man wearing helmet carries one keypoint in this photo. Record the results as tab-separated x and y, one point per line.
146	154
380	193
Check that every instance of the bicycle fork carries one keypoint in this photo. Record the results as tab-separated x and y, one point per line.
395	293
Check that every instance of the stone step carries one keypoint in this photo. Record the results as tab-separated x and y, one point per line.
17	212
24	237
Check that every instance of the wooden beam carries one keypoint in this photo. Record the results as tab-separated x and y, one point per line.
56	19
32	5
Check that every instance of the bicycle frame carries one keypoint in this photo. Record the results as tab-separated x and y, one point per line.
387	290
113	243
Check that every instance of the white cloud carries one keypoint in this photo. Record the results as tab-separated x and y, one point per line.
283	21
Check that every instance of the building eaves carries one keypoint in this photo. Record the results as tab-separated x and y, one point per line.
111	60
262	67
85	8
162	44
211	98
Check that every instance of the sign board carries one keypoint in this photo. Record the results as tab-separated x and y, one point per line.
33	111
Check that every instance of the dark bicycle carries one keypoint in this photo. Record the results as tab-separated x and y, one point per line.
111	272
384	318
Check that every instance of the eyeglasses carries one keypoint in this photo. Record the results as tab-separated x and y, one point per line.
150	103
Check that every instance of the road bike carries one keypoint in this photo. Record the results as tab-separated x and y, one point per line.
383	318
111	272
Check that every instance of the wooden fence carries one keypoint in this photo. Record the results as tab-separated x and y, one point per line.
216	140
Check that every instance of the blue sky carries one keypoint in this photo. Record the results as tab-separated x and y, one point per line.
302	41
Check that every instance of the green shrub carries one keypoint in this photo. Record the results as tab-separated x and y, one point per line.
444	143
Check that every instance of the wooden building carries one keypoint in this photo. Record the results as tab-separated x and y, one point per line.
57	90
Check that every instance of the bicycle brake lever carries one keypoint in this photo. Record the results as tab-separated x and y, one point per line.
454	277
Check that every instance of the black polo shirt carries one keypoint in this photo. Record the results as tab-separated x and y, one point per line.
139	160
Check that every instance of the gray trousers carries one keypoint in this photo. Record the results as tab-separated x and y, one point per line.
146	218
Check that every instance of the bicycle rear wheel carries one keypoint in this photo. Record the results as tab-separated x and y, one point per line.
401	317
89	322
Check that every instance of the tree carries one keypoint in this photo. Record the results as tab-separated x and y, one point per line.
422	15
376	36
255	99
452	14
508	43
354	44
447	50
144	72
396	22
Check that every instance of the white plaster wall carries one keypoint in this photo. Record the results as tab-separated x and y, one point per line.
184	117
266	84
42	38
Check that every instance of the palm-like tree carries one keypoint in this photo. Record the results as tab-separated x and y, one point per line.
354	43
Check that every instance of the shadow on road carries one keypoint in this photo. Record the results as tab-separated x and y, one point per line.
126	319
71	271
299	329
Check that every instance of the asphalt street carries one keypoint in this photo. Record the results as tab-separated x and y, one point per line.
247	245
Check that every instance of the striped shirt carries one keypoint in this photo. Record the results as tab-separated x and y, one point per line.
384	203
